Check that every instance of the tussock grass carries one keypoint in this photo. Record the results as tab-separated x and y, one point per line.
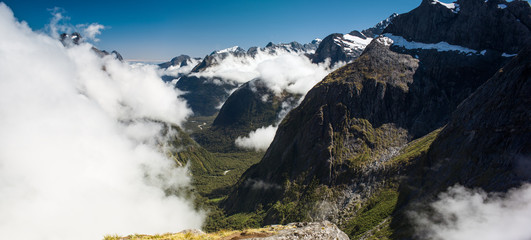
219	235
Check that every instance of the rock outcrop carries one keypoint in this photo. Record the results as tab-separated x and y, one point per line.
314	230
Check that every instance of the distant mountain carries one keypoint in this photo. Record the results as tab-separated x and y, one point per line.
76	39
339	47
253	105
205	95
378	29
294	47
179	61
205	92
345	151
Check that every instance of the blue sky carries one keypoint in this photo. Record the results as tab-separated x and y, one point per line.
160	30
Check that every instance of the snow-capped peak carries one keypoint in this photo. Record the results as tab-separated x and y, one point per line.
384	23
228	50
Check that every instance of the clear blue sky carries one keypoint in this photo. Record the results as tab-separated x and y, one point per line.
162	29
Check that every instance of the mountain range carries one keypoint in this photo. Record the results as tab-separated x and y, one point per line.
424	101
423	107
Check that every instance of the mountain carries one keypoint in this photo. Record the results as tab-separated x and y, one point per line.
378	29
485	145
339	47
271	49
253	105
75	39
343	153
494	25
204	85
205	95
179	61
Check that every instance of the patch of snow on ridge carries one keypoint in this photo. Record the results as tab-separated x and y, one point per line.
385	41
352	43
228	50
440	46
452	6
502	6
508	55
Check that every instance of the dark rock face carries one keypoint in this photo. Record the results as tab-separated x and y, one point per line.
487	142
117	55
478	24
204	95
181	61
329	49
252	106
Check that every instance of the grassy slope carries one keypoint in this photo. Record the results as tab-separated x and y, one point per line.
223	234
374	218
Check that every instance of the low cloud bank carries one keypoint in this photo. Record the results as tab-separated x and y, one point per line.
462	213
281	71
259	140
82	151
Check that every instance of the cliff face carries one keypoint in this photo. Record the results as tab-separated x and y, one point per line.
487	142
351	135
252	106
497	25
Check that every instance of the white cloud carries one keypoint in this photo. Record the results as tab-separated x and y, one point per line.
176	71
91	31
259	140
59	23
462	213
78	156
281	71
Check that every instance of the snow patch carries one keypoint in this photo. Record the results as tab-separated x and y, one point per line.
385	41
352	43
452	6
440	46
227	50
502	6
508	55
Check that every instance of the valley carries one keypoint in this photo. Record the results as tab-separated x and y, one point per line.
417	127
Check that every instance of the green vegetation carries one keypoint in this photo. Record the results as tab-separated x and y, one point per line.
414	149
377	209
361	142
217	220
214	174
198	123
